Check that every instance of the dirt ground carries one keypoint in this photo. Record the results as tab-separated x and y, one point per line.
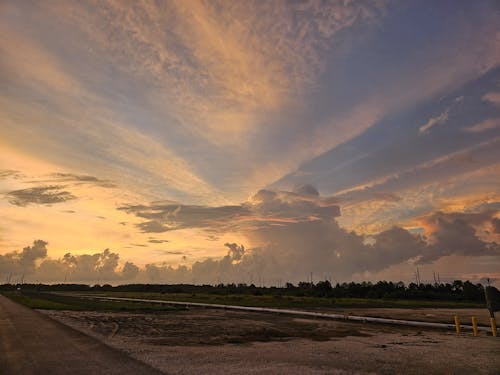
205	341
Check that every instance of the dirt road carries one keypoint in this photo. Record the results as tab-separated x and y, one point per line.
31	343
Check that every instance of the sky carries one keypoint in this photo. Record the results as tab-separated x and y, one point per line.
249	141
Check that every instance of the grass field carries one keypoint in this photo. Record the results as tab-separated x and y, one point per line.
291	301
63	301
51	301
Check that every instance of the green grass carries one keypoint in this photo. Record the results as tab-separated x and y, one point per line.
50	301
291	301
63	301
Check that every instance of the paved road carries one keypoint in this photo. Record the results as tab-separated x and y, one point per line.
31	343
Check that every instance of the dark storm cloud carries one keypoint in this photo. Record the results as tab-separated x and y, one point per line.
288	251
325	248
264	207
496	225
39	195
458	234
292	250
167	217
292	235
295	233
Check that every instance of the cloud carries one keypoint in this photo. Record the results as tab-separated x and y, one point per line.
286	250
86	268
205	102
388	197
306	189
293	234
130	271
167	217
170	252
216	75
496	225
152	227
92	267
492	97
154	240
458	234
433	121
293	250
436	170
39	195
226	80
217	64
9	173
485	125
236	251
24	262
265	206
441	118
77	180
269	206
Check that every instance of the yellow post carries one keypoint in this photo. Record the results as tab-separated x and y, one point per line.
493	327
474	325
457	324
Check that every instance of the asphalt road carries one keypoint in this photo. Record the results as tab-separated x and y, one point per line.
31	343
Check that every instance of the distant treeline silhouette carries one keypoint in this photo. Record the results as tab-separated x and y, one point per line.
461	291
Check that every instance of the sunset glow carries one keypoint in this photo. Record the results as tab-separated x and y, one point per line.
206	141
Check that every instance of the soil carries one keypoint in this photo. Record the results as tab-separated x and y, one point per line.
206	341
